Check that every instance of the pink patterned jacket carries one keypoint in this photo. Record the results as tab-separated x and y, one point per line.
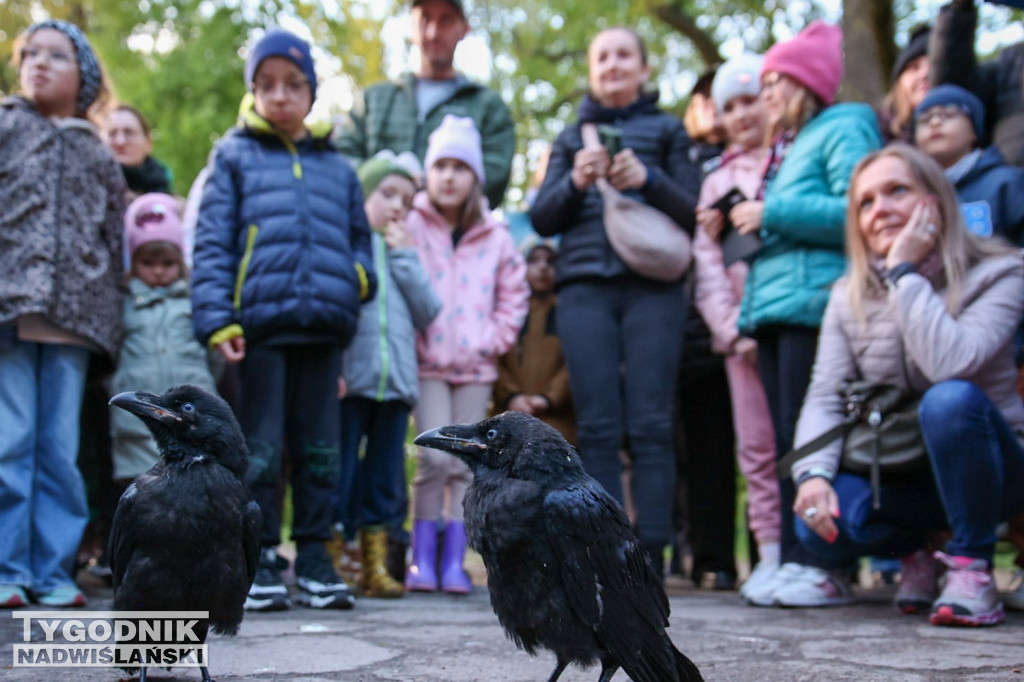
483	291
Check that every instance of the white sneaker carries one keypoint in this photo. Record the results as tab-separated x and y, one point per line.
1014	599
762	593
812	587
754	584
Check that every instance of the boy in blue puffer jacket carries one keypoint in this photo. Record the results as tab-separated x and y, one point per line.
281	266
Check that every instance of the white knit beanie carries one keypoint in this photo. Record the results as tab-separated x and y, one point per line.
740	75
456	138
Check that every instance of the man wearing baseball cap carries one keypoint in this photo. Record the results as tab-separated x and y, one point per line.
401	115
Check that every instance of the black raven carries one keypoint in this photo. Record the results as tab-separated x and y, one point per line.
564	568
185	535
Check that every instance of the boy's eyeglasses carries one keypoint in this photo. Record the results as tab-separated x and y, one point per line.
291	88
941	114
57	60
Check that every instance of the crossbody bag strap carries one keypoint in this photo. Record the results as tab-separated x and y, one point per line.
785	465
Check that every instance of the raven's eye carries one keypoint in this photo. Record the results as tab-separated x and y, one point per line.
492	434
188	408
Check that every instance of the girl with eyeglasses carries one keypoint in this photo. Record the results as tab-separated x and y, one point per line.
61	202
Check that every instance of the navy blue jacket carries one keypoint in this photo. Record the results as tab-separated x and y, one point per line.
673	180
992	197
282	243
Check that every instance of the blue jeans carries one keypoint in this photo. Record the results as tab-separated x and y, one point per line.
623	341
976	481
371	490
43	508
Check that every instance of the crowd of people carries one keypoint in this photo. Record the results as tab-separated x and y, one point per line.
334	284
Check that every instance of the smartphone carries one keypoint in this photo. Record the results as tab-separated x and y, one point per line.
611	139
725	204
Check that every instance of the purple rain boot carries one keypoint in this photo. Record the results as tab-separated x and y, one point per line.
453	576
421	575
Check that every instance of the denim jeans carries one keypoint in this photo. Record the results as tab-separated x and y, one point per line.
976	481
623	341
43	508
371	490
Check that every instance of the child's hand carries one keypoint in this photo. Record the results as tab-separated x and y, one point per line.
539	403
233	350
746	348
396	236
712	220
521	403
746	216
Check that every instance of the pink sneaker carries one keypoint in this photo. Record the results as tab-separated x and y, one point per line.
970	596
919	582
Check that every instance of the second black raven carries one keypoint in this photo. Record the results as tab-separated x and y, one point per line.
185	535
564	568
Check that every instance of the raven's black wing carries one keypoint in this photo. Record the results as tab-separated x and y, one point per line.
608	581
252	521
123	533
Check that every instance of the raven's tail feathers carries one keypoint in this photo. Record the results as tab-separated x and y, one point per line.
685	668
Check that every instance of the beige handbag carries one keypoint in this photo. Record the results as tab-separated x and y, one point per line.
647	240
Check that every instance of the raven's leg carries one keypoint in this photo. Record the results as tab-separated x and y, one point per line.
206	674
608	669
558	670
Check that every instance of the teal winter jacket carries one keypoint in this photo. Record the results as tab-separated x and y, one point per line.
803	221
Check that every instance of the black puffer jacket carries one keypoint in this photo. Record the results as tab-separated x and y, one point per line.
673	181
61	206
997	82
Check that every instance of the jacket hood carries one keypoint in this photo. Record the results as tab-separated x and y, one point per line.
249	120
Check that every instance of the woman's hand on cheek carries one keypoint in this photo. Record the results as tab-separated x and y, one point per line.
918	237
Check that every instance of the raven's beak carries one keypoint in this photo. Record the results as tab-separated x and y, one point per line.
145	405
458	439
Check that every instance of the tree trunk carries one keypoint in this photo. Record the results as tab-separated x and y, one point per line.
869	49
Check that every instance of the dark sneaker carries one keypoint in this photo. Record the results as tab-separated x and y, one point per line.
268	591
320	586
919	582
970	596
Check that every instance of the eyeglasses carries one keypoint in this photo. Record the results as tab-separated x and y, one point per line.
770	81
940	114
291	88
57	60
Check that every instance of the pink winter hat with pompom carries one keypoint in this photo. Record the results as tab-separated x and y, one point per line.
153	217
456	138
813	58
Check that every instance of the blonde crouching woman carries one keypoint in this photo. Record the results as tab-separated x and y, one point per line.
932	309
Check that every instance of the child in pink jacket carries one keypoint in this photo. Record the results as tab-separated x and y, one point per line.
735	91
480	277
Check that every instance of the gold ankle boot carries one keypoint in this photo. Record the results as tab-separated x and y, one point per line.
375	580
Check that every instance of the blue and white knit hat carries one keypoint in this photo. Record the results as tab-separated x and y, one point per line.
89	75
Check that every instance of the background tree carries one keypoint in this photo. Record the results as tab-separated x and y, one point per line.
181	61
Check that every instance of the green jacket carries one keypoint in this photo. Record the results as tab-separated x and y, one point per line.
386	118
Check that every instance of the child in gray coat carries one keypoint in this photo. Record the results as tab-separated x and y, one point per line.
160	349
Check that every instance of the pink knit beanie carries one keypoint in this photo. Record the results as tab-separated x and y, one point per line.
814	58
456	138
152	217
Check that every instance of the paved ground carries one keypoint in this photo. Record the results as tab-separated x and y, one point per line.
442	638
